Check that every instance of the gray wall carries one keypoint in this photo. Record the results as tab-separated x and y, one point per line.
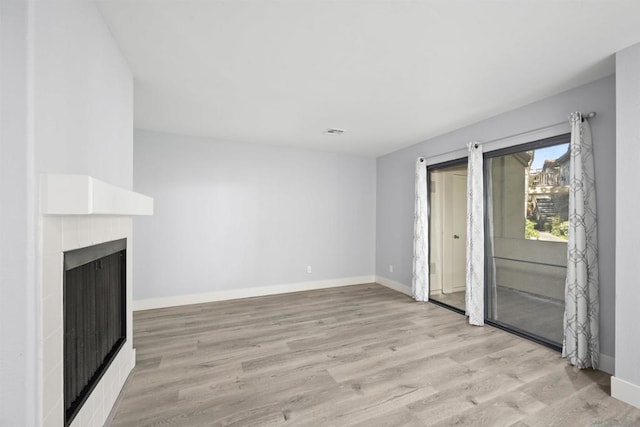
17	249
395	183
83	95
627	210
234	215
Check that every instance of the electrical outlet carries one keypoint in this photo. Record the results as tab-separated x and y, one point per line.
390	268
309	269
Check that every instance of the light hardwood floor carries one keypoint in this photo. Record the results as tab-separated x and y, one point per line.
359	355
532	313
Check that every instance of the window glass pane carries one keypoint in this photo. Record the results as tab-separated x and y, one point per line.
548	194
526	220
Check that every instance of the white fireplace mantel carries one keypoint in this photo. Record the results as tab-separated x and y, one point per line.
62	194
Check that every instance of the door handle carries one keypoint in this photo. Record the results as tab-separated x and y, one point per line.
455	236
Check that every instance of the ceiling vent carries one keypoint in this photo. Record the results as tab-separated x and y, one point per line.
334	131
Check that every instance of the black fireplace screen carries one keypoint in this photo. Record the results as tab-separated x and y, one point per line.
94	317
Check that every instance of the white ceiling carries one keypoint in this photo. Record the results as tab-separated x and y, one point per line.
392	73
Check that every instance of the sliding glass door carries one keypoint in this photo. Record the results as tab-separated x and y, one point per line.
448	233
526	221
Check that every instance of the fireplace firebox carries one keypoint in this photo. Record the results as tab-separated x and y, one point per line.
94	309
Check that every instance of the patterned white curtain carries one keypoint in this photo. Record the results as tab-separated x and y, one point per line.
581	344
474	303
420	283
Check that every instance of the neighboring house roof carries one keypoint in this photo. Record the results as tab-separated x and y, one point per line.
550	164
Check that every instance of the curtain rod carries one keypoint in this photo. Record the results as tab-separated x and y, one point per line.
587	116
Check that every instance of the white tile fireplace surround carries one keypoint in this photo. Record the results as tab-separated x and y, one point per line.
79	211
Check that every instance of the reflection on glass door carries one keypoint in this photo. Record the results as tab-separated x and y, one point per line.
527	193
448	233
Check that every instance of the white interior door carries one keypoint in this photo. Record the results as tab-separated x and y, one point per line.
454	232
448	229
459	232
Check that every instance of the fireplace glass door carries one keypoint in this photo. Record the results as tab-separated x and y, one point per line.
94	318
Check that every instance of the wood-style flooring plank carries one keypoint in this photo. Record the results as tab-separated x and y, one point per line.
352	356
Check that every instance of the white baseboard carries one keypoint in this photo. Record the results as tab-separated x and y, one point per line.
607	364
392	284
177	300
625	391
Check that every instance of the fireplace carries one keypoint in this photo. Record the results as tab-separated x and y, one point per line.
80	213
94	318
